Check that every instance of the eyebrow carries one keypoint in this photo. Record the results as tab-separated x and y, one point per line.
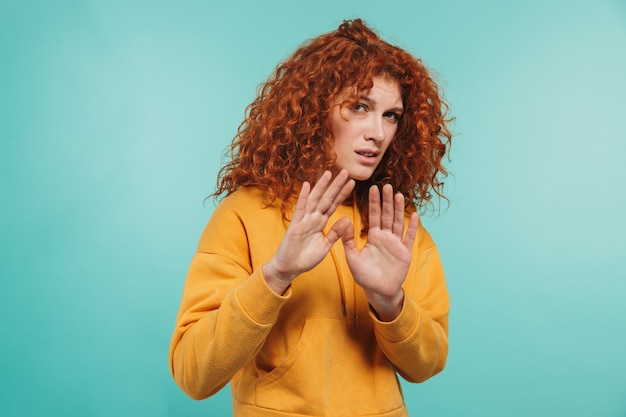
374	102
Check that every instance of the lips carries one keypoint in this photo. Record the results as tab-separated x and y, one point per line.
367	156
367	153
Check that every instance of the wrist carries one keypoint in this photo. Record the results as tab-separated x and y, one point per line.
386	308
275	279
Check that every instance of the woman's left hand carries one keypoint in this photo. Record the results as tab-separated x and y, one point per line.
380	267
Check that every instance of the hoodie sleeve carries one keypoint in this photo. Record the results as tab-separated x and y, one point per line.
224	304
416	342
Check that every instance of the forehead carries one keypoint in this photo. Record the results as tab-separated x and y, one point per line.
384	89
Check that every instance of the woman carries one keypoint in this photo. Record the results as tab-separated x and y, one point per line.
299	323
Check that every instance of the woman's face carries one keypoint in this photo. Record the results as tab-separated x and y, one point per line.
364	131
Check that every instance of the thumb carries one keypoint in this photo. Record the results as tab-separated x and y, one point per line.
348	238
338	230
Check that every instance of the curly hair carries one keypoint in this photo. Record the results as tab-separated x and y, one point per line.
286	138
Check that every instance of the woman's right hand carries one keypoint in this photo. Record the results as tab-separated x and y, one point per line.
305	244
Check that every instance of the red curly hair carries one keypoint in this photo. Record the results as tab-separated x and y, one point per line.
286	138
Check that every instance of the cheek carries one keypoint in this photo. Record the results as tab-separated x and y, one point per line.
391	133
342	134
393	129
388	143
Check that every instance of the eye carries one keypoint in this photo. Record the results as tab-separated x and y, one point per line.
394	117
359	107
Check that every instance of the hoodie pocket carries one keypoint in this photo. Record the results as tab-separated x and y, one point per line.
332	367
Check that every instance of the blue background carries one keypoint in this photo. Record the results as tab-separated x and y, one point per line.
113	119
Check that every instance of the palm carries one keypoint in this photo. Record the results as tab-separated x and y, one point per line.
380	267
381	264
305	244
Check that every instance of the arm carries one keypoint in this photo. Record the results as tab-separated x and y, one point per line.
416	342
405	286
228	309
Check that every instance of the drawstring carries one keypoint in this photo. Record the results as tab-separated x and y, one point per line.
355	218
356	311
342	290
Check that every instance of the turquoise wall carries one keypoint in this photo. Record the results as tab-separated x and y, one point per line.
113	118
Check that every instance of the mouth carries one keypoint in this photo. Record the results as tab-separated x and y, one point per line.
367	156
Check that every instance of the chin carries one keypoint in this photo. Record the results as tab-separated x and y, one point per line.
361	176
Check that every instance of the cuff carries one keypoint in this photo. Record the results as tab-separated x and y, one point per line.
403	326
258	300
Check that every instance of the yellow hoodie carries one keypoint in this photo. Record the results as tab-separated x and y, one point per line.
317	350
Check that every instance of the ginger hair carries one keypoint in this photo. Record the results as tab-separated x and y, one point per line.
285	138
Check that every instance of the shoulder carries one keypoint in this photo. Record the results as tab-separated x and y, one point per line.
424	239
242	218
247	200
243	195
247	208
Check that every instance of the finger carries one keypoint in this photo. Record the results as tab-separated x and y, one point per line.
300	208
411	231
318	191
343	193
388	211
398	217
333	194
374	207
338	230
348	239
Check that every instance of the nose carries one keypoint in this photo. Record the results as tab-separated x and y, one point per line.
376	129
